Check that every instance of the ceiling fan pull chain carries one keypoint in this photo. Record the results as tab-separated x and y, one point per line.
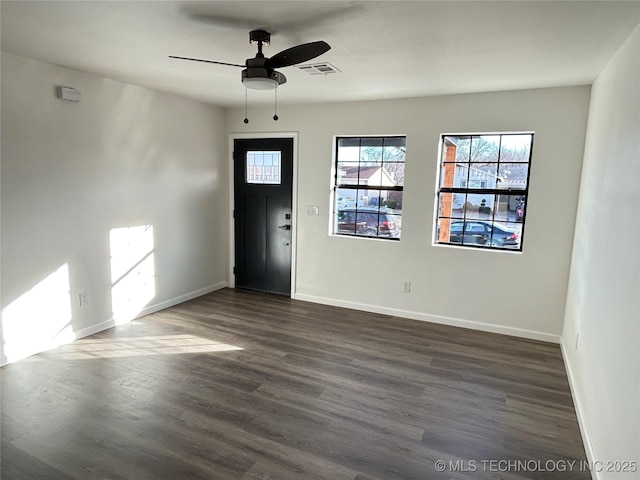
275	103
246	116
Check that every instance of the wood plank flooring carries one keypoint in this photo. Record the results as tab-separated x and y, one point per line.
244	386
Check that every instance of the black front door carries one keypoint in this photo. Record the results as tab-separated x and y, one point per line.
263	176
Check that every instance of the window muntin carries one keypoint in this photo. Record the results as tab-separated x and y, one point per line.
263	167
482	190
368	186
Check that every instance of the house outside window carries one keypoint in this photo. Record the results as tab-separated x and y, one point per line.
482	190
368	186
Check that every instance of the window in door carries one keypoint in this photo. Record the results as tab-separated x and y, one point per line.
263	167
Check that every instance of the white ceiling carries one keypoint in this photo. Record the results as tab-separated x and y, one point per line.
384	49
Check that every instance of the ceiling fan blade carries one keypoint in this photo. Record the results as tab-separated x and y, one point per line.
207	61
297	54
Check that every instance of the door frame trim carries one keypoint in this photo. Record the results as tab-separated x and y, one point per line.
231	280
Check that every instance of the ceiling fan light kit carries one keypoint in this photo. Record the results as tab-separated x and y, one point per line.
258	83
259	72
260	78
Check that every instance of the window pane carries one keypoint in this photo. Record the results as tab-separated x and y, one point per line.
520	209
263	167
345	198
476	233
371	220
393	154
506	235
455	149
352	197
349	142
450	211
390	225
451	205
372	142
513	175
348	173
482	176
454	174
392	200
515	148
393	174
370	156
371	151
367	222
369	198
485	148
348	150
371	176
443	230
381	222
509	208
346	222
395	141
479	206
458	204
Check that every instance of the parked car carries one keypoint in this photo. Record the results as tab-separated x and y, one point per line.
369	221
345	202
475	232
520	211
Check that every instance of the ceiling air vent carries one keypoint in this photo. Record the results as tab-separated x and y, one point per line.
324	68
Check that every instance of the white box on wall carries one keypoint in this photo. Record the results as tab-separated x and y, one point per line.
68	93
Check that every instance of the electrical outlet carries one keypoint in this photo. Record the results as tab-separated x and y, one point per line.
84	299
406	286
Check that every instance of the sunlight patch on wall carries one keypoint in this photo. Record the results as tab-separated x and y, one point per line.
87	349
40	319
132	271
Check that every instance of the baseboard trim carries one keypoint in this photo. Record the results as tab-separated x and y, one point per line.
577	404
149	309
181	299
423	317
90	330
110	323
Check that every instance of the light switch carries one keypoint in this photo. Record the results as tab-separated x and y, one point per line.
313	210
84	299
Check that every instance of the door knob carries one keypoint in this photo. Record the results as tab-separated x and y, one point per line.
286	227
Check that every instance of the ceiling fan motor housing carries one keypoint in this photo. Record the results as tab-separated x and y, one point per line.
270	78
257	70
259	36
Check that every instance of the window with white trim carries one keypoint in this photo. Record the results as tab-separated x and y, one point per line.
368	185
482	190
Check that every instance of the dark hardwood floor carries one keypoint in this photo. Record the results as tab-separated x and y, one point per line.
241	385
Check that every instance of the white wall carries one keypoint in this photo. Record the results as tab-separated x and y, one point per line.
603	301
521	294
74	174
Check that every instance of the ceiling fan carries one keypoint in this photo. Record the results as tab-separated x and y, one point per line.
259	72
